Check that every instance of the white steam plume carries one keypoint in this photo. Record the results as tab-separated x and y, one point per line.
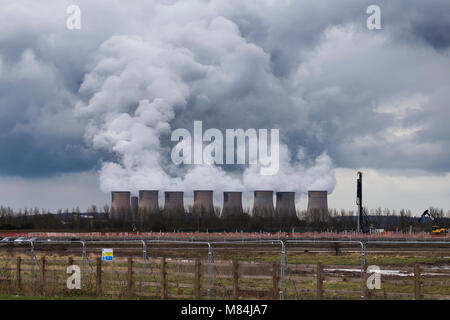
139	84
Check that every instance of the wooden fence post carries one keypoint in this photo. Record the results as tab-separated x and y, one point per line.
43	276
275	280
197	279
163	281
130	276
18	275
99	276
365	288
235	273
319	280
69	263
417	282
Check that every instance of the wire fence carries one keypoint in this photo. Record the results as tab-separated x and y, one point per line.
133	273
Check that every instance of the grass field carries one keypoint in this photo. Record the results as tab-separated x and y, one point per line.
299	281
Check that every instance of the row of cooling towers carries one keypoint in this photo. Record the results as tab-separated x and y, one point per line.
263	206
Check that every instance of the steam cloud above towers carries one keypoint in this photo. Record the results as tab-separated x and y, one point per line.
108	95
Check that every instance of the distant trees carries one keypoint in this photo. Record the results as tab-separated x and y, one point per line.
436	212
404	219
318	219
313	220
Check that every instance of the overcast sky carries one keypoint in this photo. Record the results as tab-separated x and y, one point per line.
83	112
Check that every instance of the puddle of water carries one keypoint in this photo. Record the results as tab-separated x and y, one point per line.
394	272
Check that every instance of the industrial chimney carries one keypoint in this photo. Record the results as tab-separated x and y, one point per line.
203	203
317	200
120	205
263	204
286	205
232	204
173	204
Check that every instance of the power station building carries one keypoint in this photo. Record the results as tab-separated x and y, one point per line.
173	203
263	204
286	205
148	202
318	200
120	205
203	203
141	208
232	204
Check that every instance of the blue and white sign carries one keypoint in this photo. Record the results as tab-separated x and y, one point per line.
107	254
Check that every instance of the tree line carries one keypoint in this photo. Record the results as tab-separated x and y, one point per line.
95	219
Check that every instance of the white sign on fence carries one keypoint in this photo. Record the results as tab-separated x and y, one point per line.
107	254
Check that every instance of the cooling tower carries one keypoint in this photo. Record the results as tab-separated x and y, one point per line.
203	203
173	204
148	202
120	204
286	204
263	204
317	200
232	204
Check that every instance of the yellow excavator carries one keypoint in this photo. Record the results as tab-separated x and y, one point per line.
436	229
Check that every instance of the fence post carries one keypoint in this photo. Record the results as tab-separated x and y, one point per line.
417	282
99	276
144	262
363	263
275	280
83	283
18	275
319	280
197	279
43	276
283	264
235	271
32	264
366	289
163	280
130	276
210	260
69	263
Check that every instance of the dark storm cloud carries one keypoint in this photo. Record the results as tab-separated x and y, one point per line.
376	99
419	21
39	135
436	33
24	157
41	69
